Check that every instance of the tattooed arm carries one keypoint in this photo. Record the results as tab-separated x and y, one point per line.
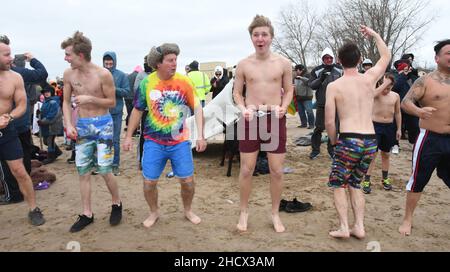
414	95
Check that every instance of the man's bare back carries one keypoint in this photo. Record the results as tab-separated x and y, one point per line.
264	80
432	91
384	107
92	82
354	101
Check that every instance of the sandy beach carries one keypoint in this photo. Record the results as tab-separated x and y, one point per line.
217	203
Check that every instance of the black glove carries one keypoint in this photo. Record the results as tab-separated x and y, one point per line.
324	74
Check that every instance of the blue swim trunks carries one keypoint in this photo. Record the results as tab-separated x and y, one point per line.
94	147
156	155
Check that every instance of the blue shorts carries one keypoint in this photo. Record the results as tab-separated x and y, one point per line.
10	146
94	145
156	155
386	135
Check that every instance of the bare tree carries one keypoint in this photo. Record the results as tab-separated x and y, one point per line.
297	26
401	24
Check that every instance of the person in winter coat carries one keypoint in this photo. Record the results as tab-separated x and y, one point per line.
51	123
122	85
304	96
321	76
219	81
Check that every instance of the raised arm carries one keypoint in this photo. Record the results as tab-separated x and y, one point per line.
378	70
386	82
415	94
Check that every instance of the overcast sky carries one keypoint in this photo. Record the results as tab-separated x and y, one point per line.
204	30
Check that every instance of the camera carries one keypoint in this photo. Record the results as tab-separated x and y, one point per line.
19	60
20	57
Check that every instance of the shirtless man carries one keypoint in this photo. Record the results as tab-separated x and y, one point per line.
352	96
386	106
12	90
94	94
265	75
432	148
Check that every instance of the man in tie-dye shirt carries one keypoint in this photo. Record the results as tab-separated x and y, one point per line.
170	99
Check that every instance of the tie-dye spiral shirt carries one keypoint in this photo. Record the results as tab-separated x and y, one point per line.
169	103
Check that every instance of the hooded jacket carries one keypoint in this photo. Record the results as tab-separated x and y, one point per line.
51	117
30	77
322	75
222	81
121	83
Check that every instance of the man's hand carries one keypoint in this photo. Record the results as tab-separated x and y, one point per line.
249	112
426	113
387	81
398	134
28	56
200	145
82	99
39	122
127	144
280	112
367	31
4	121
72	132
405	71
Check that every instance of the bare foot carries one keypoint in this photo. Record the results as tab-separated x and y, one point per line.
343	234
151	220
277	225
405	228
242	225
358	233
192	217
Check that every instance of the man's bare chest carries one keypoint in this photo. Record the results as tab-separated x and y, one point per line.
6	89
86	86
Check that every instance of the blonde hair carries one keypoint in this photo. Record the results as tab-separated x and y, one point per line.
81	44
259	21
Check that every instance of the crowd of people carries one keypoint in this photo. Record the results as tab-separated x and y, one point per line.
364	106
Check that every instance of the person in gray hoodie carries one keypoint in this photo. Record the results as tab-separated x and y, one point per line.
122	90
304	96
321	76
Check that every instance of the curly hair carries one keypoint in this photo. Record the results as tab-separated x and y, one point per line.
157	54
81	44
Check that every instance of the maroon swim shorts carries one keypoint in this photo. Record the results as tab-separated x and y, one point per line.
267	133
